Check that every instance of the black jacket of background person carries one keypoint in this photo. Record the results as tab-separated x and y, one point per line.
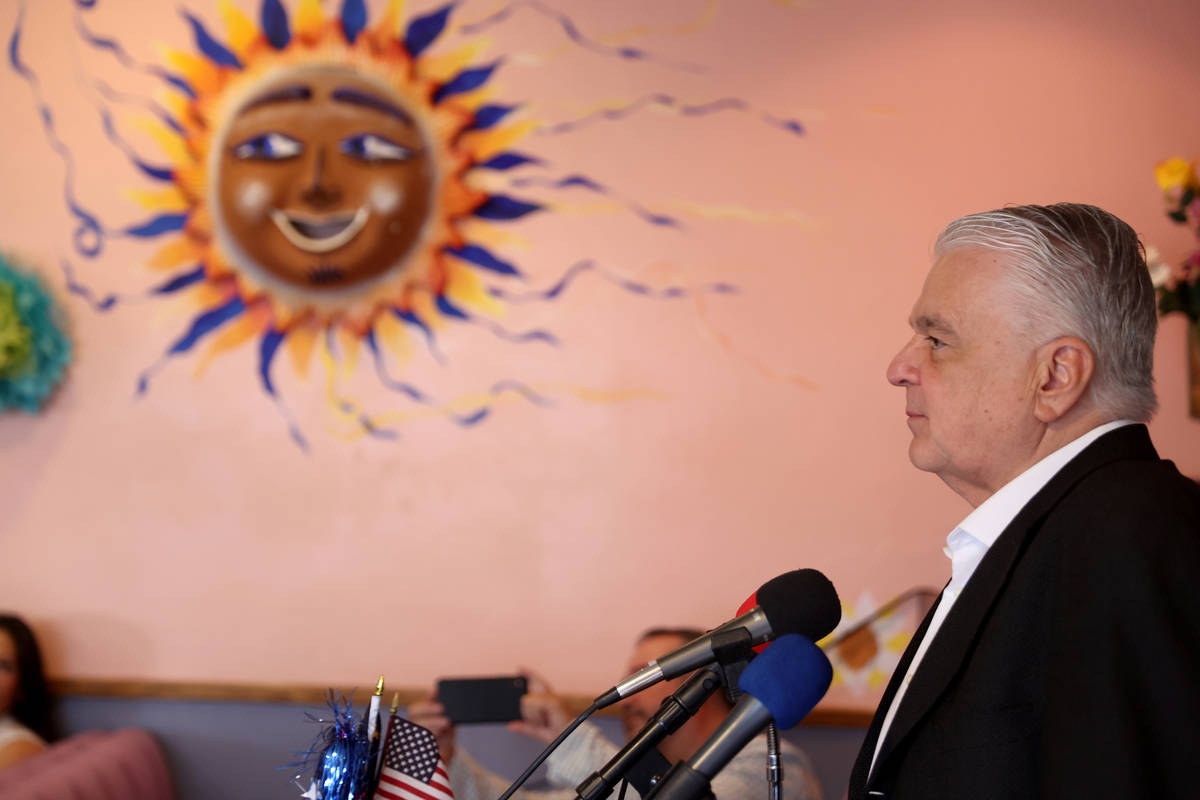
1069	667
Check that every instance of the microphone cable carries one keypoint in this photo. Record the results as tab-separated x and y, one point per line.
550	748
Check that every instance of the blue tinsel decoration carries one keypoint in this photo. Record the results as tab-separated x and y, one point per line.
342	755
27	383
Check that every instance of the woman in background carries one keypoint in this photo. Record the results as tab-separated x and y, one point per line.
25	724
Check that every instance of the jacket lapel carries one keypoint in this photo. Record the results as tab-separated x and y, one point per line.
957	634
862	764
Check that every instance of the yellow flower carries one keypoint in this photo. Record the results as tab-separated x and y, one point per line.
1176	173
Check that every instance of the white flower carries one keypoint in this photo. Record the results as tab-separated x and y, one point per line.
1160	271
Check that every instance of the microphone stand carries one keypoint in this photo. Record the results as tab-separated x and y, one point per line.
644	765
674	711
731	671
732	651
774	764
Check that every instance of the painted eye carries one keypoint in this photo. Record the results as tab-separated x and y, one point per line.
268	147
371	147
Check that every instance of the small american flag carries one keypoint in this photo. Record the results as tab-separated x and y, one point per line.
412	766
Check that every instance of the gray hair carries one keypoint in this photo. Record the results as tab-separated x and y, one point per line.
1077	270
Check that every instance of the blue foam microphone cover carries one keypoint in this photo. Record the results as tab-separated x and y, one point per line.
790	677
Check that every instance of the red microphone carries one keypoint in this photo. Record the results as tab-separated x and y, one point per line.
752	602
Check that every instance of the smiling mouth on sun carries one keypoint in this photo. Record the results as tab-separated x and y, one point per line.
319	233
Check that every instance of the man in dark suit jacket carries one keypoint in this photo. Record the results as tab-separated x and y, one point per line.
1063	658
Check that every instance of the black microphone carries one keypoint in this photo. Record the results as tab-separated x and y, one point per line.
781	685
674	711
802	601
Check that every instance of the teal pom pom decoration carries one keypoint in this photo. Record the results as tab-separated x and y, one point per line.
34	351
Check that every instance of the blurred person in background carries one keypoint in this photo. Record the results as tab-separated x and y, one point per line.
25	719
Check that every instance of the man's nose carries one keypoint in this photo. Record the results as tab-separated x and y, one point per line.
320	192
903	371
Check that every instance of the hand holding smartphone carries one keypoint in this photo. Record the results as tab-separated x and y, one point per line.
493	699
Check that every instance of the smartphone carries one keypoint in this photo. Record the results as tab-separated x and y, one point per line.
482	699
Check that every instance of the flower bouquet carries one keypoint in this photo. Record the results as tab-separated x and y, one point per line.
1179	289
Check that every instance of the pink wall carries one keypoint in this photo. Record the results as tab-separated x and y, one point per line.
183	536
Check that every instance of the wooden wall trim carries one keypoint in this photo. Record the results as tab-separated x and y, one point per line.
313	695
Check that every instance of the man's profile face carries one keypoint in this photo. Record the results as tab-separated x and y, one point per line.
324	178
969	376
637	709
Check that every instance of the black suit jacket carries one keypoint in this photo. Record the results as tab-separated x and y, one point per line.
1069	666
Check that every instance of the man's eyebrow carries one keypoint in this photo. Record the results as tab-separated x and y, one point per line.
931	322
285	95
355	97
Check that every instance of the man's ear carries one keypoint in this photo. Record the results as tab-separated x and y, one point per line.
1065	368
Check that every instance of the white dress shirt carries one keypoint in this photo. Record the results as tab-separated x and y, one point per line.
969	542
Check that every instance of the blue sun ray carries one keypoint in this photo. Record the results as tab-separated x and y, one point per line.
127	61
267	349
14	54
554	291
105	302
180	281
88	236
501	207
354	19
523	389
412	392
111	95
789	125
364	422
216	52
448	308
403	387
451	310
559	287
670	102
110	130
412	319
156	226
573	33
373	430
484	259
466	81
583	182
202	325
497	390
488	116
266	354
509	160
424	30
274	19
99	303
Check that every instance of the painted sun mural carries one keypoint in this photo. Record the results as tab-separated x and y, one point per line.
332	186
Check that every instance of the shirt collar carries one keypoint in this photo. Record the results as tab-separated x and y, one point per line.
991	517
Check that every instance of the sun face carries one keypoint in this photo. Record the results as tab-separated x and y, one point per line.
320	181
322	171
323	180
